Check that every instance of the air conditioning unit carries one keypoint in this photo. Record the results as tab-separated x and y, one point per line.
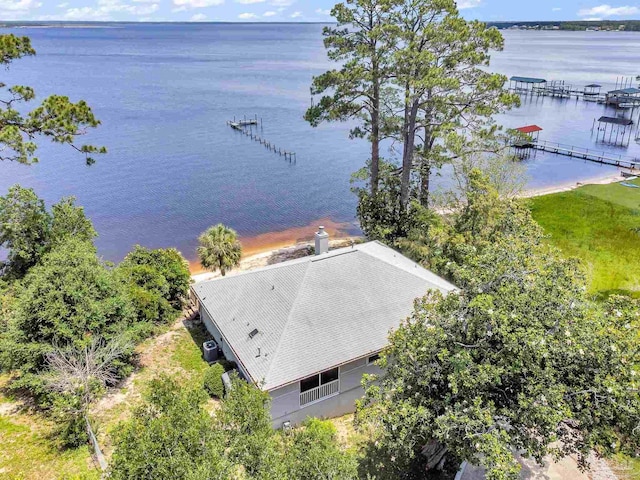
210	351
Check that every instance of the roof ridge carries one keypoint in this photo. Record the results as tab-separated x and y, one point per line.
286	263
287	322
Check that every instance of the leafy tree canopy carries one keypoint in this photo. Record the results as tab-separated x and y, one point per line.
236	442
170	264
67	298
56	118
314	453
28	231
24	229
518	360
171	420
69	220
148	290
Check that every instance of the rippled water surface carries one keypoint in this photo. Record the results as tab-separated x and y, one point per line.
165	92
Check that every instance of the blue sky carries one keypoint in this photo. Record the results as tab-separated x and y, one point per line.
294	10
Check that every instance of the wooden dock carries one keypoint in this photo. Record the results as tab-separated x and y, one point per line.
245	127
603	158
240	124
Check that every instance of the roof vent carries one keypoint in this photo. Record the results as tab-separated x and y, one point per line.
322	241
253	333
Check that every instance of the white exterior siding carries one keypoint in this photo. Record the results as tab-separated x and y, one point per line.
285	401
217	336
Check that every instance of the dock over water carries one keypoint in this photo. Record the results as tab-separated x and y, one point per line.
624	96
245	127
603	158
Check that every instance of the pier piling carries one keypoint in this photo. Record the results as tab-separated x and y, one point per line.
245	126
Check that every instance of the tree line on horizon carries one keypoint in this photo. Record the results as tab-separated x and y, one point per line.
575	25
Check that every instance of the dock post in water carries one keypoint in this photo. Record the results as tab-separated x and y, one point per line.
245	126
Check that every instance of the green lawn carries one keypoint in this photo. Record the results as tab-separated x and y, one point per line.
28	448
600	224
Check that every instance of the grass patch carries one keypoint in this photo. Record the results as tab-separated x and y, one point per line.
27	450
600	224
626	468
616	193
187	353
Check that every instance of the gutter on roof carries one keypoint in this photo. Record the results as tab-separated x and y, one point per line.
223	335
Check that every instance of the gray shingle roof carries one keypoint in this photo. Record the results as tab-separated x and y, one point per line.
317	312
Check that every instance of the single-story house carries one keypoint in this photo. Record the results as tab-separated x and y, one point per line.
306	330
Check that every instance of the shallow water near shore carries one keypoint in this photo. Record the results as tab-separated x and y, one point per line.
165	92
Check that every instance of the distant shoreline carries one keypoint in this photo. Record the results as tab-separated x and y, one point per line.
115	24
528	25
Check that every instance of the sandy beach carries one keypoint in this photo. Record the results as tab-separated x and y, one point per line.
273	247
565	187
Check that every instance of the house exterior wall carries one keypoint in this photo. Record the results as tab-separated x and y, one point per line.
285	401
217	336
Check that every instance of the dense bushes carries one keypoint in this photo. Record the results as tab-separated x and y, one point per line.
55	292
65	299
170	265
236	442
212	381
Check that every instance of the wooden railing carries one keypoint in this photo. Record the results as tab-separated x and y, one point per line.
318	393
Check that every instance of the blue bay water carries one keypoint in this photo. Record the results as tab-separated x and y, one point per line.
165	92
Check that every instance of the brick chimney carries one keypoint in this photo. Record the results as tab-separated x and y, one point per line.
322	241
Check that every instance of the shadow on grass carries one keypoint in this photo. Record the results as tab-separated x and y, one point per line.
198	332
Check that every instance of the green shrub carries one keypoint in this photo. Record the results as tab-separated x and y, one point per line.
228	365
66	412
212	381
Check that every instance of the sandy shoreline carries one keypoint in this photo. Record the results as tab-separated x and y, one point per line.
277	255
268	248
568	186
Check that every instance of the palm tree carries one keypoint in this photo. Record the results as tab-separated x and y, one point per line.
219	249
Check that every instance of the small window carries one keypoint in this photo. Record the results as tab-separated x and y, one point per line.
253	333
309	383
373	359
329	376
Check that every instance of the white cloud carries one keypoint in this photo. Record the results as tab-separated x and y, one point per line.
320	11
105	10
15	9
603	11
269	14
556	9
465	4
19	4
249	2
185	4
247	16
63	5
296	15
199	17
282	3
